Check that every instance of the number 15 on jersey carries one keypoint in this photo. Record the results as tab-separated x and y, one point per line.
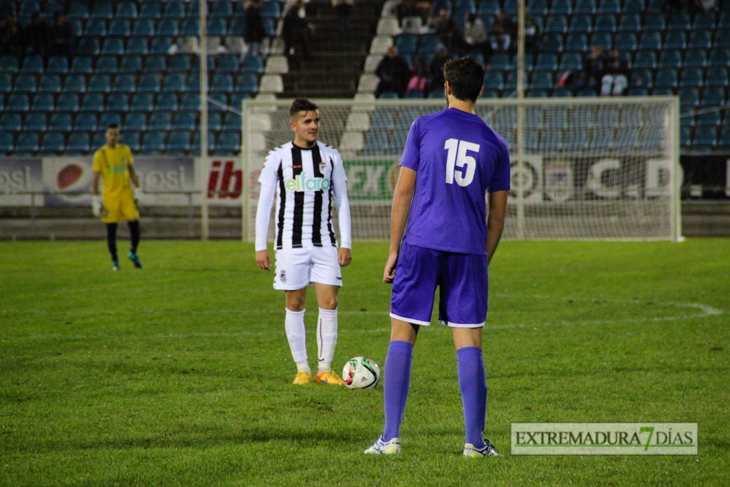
457	158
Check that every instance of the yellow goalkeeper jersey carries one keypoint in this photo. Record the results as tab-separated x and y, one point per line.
113	164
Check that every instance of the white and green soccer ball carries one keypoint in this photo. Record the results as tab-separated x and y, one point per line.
361	373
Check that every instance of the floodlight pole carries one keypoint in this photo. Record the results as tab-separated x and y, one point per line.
520	120
204	169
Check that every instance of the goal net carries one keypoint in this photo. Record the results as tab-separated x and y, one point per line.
586	168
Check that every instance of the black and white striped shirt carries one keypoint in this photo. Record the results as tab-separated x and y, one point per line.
306	182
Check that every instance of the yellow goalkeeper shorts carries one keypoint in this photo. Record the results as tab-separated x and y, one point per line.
119	208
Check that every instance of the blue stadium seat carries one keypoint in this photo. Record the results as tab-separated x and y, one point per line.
166	102
160	121
217	27
155	64
541	80
510	83
630	23
271	9
108	119
679	22
153	142
190	101
215	101
626	41
238	27
695	58
142	102
581	24
500	61
180	63
32	65
228	64
704	20
719	57
88	46
670	59
6	143
537	93
723	144
124	83
546	61
77	26
78	11
492	7
229	142
247	83
178	142
86	122
585	7
135	121
493	80
666	78
10	122
99	83
9	64
214	122
144	28
645	59
96	28
237	100
127	10
691	78
232	121
120	27
168	28
193	84
107	65
27	144
701	39
675	40
131	64
724	20
557	24
18	102
252	65
222	8
25	83
689	97
551	43
43	102
150	10
642	78
50	83
184	121
131	138
118	103
561	7
113	46
609	7
406	44
654	23
270	27
75	84
605	23
190	27
98	140
713	97
174	84
57	65
78	143
174	10
138	46
222	83
650	41
67	102
93	103
574	42
102	10
705	138
35	122
160	45
196	143
634	6
716	77
571	60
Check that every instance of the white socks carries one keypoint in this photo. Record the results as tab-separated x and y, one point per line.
294	325
326	337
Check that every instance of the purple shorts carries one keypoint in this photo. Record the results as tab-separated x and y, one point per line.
462	280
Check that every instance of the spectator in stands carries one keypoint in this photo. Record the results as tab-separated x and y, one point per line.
413	8
63	40
419	77
595	67
393	72
447	31
436	68
476	37
255	32
615	80
11	37
296	30
532	30
579	82
37	35
343	9
503	29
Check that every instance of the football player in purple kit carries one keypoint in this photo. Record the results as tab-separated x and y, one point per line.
451	161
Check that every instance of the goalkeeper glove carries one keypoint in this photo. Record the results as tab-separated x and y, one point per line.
96	206
138	196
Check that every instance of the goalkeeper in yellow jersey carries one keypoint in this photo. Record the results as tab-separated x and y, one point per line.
113	163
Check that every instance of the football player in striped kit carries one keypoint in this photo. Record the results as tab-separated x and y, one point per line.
306	177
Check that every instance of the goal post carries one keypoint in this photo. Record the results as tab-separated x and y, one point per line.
594	168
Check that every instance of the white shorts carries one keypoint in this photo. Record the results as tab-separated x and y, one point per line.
296	268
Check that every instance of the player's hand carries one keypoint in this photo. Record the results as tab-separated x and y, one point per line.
138	197
344	256
96	206
263	260
390	268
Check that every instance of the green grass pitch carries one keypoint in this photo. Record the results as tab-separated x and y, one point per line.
179	374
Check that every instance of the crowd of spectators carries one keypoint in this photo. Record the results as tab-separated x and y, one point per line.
37	38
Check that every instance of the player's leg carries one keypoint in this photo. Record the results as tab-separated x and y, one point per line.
130	213
111	243
110	217
327	278
292	276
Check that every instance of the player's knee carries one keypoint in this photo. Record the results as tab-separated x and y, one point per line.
328	303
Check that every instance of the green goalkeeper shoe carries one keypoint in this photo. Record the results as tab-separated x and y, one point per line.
115	265
381	447
470	451
133	257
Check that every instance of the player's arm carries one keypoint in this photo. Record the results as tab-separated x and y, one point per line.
96	205
342	203
268	180
495	221
133	175
402	198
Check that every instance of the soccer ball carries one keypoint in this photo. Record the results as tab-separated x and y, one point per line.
361	373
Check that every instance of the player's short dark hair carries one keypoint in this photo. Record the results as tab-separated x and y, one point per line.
466	77
301	105
112	126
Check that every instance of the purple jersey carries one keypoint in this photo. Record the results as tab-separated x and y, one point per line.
458	159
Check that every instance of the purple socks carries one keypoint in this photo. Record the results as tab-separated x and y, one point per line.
396	381
473	386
